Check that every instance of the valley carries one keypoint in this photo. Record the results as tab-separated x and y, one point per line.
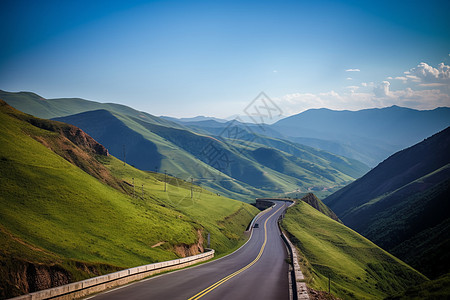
145	189
209	150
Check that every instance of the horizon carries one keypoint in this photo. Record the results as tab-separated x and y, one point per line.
185	59
242	118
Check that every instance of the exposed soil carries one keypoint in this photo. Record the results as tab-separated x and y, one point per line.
184	250
321	295
25	277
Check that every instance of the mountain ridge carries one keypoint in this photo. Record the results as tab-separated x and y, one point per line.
225	162
372	135
402	198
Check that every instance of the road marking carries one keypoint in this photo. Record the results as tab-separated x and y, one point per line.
223	280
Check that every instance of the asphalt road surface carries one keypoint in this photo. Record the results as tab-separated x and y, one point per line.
257	270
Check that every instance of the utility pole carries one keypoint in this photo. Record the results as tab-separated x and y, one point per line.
124	155
133	188
329	283
165	180
142	190
192	188
209	240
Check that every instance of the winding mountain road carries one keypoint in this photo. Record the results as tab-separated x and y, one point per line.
257	270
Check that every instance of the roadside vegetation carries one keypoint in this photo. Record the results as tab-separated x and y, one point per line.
72	213
357	268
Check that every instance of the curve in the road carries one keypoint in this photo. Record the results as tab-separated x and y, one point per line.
257	270
215	285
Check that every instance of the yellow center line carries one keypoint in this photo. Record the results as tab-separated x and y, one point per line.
218	283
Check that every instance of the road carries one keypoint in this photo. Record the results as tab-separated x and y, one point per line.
257	270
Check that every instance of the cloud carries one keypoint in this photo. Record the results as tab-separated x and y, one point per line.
427	89
353	70
349	78
423	99
434	84
382	90
352	88
425	73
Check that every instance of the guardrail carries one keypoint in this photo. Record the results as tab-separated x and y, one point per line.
299	291
98	284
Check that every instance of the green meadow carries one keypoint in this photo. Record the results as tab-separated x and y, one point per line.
357	268
55	214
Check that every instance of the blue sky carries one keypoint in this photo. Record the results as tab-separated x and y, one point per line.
188	58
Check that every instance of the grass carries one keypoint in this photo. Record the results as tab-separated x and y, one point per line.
223	218
53	213
434	289
250	165
358	269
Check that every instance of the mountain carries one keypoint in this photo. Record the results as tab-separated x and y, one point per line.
369	135
38	106
315	202
402	204
234	160
69	210
356	267
194	119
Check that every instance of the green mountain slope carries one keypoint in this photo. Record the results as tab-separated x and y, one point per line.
238	162
315	202
402	205
433	289
242	166
358	269
40	107
59	219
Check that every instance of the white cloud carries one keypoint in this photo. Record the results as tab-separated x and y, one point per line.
349	78
423	99
435	84
352	88
427	89
382	90
413	78
425	73
353	70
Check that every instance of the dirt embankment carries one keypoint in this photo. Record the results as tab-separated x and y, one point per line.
184	250
25	277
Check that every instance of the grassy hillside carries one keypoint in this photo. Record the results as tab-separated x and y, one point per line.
358	269
434	289
60	220
38	106
315	202
402	205
395	172
237	162
244	168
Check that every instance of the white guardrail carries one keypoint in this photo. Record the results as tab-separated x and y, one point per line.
98	284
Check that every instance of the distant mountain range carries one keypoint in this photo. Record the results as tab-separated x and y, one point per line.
403	204
194	119
369	135
236	160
